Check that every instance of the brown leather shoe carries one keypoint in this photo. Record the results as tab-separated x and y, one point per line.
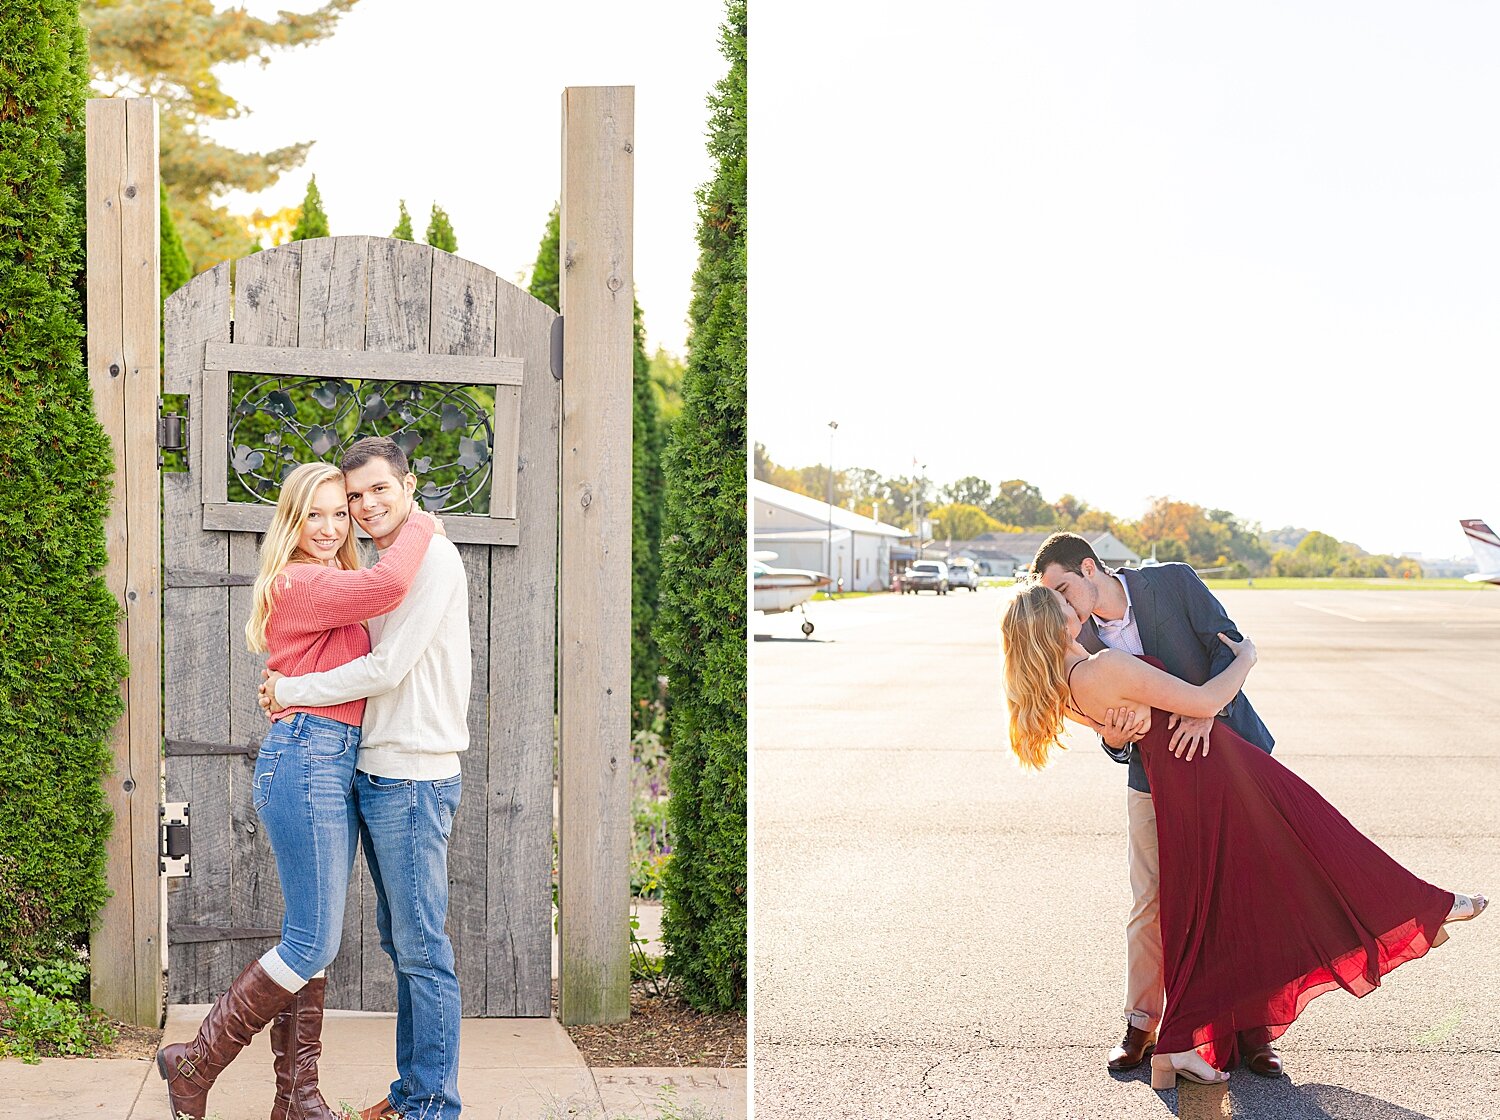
381	1111
236	1017
297	1042
1133	1048
1263	1060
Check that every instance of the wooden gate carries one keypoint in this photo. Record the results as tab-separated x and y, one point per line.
286	356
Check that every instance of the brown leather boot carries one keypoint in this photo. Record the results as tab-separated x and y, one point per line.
1132	1049
297	1042
236	1016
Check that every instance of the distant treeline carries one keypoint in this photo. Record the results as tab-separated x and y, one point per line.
1205	538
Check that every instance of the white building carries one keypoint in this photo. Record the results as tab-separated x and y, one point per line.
807	533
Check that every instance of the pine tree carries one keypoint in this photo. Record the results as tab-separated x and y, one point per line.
440	231
646	488
313	222
701	627
403	232
60	662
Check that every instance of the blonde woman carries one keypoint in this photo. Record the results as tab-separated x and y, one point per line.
309	601
1245	951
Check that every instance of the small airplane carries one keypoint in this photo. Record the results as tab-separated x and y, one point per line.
1486	546
785	589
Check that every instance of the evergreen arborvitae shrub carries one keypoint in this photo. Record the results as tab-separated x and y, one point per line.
175	270
313	222
701	627
403	232
440	231
60	664
645	545
646	487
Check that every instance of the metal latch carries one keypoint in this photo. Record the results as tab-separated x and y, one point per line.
171	434
555	357
175	840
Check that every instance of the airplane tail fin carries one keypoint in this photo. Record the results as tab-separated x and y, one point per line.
1486	545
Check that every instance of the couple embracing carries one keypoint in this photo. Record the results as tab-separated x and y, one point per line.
367	689
1252	893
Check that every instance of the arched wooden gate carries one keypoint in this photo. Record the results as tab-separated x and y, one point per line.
286	356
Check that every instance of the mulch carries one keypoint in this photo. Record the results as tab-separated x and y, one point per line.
662	1031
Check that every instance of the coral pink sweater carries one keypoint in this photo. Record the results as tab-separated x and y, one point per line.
317	611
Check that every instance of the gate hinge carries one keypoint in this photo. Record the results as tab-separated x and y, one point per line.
175	840
557	348
171	432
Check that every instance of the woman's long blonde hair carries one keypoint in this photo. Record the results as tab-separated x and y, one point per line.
279	547
1035	639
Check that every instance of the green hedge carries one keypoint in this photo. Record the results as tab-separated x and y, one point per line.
60	663
704	568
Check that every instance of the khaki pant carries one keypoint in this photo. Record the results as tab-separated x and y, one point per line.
1145	982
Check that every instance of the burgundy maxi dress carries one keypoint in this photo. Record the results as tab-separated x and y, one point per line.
1269	897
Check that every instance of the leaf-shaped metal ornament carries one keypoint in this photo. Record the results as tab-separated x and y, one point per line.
473	453
246	459
374	408
422	465
322	440
431	490
327	393
454	417
278	402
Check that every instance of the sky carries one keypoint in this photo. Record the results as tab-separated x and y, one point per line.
460	103
1239	255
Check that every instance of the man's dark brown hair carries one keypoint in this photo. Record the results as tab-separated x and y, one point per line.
375	447
1068	549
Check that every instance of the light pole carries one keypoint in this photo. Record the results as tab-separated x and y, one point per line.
833	426
921	484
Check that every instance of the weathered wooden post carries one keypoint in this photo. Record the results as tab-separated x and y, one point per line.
124	336
598	301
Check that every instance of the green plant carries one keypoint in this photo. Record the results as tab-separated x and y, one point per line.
645	966
403	231
41	1014
651	843
313	221
440	233
60	663
701	614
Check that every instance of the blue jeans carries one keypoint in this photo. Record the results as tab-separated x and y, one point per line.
303	794
404	826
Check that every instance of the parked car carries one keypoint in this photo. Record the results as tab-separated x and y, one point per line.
963	575
926	575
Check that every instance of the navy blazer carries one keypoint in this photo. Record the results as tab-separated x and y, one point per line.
1179	621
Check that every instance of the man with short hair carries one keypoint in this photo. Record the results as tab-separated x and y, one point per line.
407	782
1167	612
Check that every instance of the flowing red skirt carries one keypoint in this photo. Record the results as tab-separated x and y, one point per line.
1269	897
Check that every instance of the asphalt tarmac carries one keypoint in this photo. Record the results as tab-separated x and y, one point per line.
937	934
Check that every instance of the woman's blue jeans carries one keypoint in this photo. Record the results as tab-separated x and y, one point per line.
304	795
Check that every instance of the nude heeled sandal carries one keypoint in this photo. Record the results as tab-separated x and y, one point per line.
1466	907
1164	1074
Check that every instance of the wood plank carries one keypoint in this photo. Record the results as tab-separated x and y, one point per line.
196	663
305	361
507	455
463	323
267	298
332	317
597	304
141	319
255	517
468	863
523	632
113	976
398	303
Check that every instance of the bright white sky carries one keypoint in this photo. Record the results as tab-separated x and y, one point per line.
460	103
1240	254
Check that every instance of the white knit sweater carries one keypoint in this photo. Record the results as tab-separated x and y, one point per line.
416	677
